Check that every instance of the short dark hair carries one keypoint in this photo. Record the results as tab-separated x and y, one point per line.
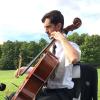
55	17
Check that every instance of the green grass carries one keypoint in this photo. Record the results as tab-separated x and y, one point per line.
98	84
8	78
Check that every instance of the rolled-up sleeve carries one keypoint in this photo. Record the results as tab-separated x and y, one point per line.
77	48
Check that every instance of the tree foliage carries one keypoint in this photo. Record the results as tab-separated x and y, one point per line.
90	47
10	51
6	60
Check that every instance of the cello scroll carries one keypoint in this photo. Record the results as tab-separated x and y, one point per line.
76	24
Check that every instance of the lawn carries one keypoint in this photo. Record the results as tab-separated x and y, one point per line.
8	78
99	84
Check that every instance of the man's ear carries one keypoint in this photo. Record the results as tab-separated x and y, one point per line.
59	25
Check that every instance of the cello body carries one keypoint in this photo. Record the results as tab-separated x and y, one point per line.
37	78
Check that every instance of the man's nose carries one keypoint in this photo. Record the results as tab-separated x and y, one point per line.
46	30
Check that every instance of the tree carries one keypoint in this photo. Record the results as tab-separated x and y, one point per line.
25	53
91	49
79	39
7	61
17	51
89	45
42	43
0	51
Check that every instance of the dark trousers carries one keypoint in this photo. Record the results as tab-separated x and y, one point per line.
50	94
54	94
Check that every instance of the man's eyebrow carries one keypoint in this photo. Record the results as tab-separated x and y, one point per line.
47	25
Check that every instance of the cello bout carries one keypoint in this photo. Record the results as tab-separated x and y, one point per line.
37	78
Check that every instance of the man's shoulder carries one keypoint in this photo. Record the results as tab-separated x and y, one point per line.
73	43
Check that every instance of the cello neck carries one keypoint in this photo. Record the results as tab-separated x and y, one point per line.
30	64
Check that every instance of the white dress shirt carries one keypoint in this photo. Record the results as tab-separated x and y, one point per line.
63	73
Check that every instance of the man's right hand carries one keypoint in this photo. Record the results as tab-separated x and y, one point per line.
19	71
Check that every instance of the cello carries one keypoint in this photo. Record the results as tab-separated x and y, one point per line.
43	70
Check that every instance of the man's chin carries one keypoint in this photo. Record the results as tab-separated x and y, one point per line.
49	36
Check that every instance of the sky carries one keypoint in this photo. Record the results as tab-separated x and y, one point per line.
21	19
